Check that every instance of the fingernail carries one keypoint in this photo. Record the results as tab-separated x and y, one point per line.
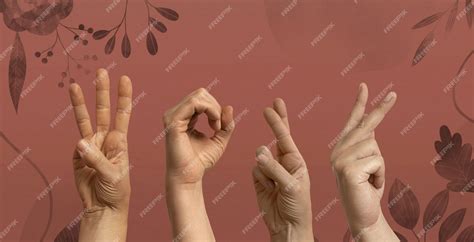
262	158
389	97
82	147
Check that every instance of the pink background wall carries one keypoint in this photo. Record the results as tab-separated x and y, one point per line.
243	84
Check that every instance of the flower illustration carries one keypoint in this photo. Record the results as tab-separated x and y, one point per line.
455	163
39	17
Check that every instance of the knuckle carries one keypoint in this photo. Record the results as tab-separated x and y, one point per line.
201	91
338	166
193	100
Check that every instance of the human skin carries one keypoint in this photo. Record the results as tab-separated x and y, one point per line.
189	153
360	171
100	162
282	183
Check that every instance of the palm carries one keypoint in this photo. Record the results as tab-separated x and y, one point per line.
105	190
365	201
193	152
281	205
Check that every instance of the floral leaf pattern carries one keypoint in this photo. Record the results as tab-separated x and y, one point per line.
69	234
422	48
466	235
435	209
126	47
406	209
455	163
168	13
17	71
451	224
428	20
151	43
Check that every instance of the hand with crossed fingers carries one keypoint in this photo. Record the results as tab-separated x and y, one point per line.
282	183
360	171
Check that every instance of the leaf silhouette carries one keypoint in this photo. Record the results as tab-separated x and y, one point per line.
3	6
403	205
158	25
428	20
69	234
467	235
168	13
435	209
151	43
469	13
401	237
126	47
422	49
347	236
452	16
100	34
109	47
17	71
451	224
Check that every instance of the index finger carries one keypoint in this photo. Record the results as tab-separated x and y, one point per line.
280	130
371	121
358	110
80	111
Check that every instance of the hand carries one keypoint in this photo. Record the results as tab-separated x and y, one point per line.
189	153
282	184
360	170
101	165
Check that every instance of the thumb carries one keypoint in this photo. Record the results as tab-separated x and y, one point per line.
94	158
273	169
227	127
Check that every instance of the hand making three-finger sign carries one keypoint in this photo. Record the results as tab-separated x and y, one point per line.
101	164
360	170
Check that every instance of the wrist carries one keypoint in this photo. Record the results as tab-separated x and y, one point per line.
294	233
103	223
379	231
